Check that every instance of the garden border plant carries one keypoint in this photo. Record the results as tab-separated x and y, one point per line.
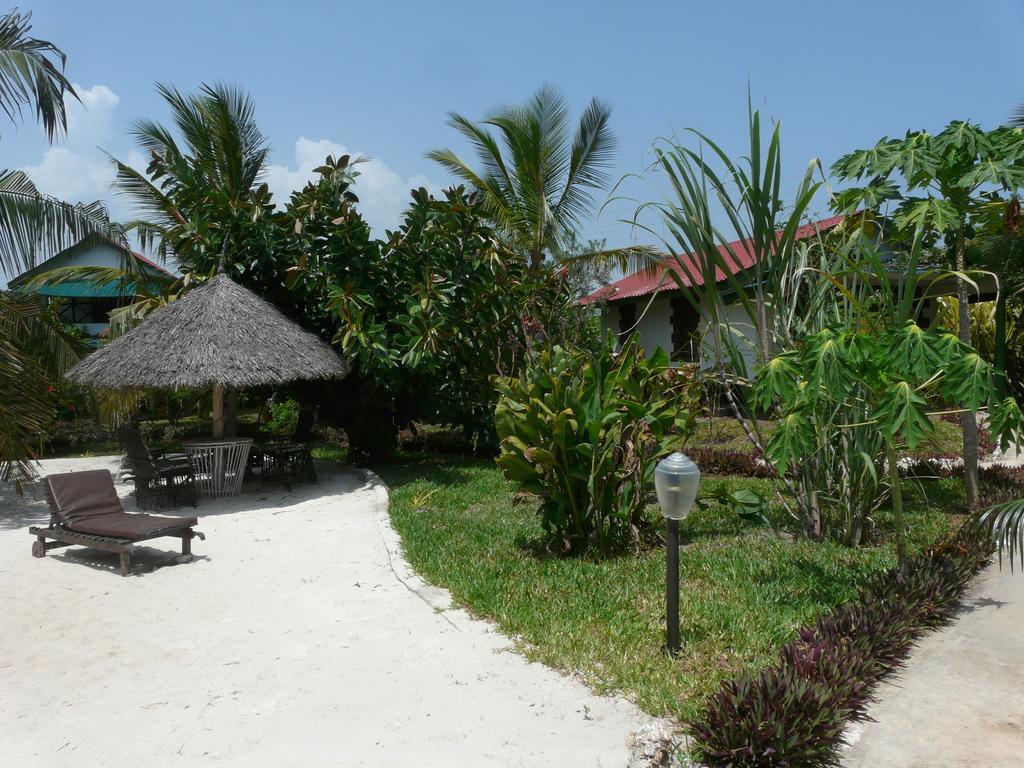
794	713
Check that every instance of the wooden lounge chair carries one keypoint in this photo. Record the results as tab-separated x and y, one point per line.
85	510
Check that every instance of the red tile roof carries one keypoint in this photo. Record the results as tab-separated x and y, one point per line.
139	257
646	282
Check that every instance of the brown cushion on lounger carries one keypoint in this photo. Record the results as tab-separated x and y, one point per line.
88	503
123	525
78	496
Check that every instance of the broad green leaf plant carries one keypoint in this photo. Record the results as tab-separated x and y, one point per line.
892	379
581	433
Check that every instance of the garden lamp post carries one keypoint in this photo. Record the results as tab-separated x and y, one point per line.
675	479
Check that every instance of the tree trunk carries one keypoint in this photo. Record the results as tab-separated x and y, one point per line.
1000	361
969	423
218	411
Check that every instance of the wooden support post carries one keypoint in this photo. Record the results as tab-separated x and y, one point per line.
126	558
186	543
218	411
231	413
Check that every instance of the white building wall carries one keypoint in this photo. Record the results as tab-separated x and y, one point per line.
741	331
655	327
609	319
99	255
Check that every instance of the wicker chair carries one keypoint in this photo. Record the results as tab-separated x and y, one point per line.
161	479
288	460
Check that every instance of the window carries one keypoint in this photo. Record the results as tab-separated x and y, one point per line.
79	311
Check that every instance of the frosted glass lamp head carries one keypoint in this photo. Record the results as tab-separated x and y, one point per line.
676	479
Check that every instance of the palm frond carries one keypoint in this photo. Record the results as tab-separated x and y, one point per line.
34	226
34	349
634	258
593	149
31	73
537	183
1005	524
215	154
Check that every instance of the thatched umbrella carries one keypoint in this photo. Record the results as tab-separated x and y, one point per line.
218	336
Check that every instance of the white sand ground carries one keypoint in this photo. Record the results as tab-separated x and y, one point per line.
297	637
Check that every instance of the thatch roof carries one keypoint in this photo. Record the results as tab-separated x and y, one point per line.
217	334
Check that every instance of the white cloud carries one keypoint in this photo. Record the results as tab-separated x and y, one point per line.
91	121
76	169
383	193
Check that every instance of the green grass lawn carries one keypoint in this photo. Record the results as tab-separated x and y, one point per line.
745	589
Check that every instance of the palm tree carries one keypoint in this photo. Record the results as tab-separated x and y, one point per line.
33	226
201	199
537	182
33	347
199	189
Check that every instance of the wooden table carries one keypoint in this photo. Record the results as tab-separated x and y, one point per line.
219	465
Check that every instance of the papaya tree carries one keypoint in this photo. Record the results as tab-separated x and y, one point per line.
937	183
895	376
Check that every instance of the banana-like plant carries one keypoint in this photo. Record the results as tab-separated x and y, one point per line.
581	432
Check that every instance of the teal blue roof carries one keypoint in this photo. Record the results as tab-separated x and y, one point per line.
82	289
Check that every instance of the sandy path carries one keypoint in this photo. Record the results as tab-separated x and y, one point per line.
959	702
290	640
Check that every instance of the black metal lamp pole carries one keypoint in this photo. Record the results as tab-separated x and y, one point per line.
672	644
676	481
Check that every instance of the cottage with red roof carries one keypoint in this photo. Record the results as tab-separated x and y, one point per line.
650	302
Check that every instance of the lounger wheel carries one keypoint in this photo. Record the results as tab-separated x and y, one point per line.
38	549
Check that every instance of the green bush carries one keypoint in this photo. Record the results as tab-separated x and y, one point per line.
284	418
582	433
76	434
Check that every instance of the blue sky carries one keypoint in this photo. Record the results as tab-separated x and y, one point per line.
378	78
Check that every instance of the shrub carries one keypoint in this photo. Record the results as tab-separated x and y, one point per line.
793	713
76	433
714	461
161	433
284	418
582	433
743	729
440	438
